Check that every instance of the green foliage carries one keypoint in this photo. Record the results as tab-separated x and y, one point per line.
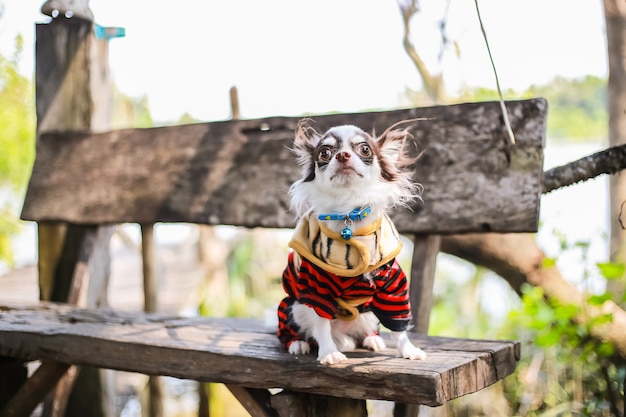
17	123
577	370
458	309
558	324
9	226
612	270
187	118
17	142
254	276
130	112
564	365
577	108
565	370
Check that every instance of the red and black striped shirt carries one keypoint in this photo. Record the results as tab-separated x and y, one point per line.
386	287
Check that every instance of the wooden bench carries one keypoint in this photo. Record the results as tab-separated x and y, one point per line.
238	173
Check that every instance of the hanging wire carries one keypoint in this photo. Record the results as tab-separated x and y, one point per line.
442	29
507	123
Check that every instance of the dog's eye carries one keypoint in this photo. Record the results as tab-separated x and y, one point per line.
325	154
364	150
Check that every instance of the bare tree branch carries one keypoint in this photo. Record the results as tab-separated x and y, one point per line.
432	83
608	161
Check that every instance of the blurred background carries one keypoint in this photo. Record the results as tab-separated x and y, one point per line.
179	60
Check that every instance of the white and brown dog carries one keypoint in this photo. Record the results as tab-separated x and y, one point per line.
342	277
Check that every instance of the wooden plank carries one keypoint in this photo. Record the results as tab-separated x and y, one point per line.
242	352
238	172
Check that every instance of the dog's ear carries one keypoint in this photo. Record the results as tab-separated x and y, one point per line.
306	136
393	152
304	144
392	140
305	141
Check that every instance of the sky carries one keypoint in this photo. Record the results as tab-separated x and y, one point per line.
289	57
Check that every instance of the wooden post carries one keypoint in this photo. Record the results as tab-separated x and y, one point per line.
150	294
425	250
149	268
73	93
234	103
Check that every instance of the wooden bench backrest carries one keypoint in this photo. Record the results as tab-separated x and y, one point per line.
238	172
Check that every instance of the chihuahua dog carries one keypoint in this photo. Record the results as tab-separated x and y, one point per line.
342	278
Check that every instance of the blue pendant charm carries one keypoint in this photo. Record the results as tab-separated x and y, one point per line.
346	233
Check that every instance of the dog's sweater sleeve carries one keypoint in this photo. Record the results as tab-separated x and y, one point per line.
390	302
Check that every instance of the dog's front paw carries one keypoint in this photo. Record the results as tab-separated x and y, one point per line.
406	349
299	347
331	358
409	351
374	342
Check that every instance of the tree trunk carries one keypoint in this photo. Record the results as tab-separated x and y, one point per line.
615	15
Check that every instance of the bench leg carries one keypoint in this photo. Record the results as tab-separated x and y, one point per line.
255	401
34	390
55	405
406	410
13	374
294	404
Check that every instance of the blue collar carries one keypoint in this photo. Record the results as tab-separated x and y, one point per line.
354	215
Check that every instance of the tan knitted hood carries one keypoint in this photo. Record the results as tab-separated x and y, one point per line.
369	248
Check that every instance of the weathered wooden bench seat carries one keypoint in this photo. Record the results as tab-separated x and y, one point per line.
238	173
244	352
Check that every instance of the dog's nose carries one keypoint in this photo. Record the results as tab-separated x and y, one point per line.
342	156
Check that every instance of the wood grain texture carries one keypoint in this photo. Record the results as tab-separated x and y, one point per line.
238	172
243	352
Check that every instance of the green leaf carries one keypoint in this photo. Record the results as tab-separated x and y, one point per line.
598	300
544	317
549	262
605	349
584	244
566	313
611	270
548	338
601	319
